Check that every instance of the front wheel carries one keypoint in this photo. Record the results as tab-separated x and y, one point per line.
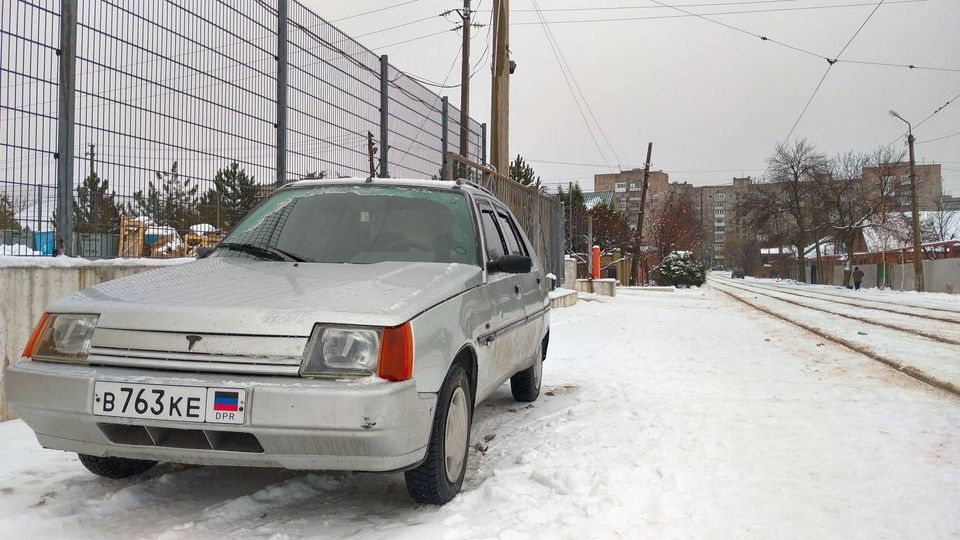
525	385
115	467
438	479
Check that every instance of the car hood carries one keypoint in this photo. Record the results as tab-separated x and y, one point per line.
237	296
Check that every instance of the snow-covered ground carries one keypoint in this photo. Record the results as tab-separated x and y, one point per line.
678	415
38	261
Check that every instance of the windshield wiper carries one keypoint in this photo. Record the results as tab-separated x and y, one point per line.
253	249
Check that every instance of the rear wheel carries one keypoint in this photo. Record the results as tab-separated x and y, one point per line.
525	385
439	478
115	467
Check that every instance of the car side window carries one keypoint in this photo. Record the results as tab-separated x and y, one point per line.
495	247
515	244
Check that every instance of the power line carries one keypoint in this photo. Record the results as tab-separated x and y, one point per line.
426	117
939	138
830	64
558	55
928	117
401	25
610	8
375	11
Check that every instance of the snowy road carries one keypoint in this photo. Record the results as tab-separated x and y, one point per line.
665	416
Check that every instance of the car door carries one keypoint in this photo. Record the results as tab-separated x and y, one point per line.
533	288
503	293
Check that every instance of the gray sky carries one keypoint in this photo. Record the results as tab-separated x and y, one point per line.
710	98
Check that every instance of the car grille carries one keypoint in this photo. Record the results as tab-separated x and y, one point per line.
214	353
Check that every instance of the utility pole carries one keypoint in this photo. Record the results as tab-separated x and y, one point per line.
500	90
465	85
915	210
92	152
638	236
371	151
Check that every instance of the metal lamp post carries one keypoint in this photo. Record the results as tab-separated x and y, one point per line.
914	209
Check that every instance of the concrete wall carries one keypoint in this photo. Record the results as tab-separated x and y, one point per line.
25	292
941	275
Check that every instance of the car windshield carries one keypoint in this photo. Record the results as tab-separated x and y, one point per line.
361	224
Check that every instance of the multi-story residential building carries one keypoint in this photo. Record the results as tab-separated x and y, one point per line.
897	175
718	214
626	187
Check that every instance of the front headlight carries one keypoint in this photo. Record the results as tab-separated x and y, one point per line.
339	352
62	338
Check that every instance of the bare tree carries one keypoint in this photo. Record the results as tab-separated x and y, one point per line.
674	224
941	224
846	208
794	168
880	187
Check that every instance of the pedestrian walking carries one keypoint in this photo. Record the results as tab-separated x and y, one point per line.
857	277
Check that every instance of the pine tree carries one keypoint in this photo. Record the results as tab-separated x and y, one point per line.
522	172
168	201
94	209
8	215
235	193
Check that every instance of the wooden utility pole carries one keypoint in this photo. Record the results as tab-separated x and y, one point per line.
638	236
465	84
500	91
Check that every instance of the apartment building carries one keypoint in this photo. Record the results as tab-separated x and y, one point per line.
626	187
718	214
929	184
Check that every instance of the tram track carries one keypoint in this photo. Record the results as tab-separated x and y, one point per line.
937	366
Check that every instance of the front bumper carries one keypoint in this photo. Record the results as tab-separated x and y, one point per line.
297	423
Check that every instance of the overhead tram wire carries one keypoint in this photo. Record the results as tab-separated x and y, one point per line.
795	48
928	117
691	14
554	48
563	57
939	138
830	64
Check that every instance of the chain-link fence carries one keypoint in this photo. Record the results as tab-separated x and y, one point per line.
158	125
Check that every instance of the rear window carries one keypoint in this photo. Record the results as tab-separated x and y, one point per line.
358	224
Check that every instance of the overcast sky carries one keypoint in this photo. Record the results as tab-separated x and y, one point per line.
709	97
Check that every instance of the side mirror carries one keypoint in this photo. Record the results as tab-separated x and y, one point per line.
203	252
511	264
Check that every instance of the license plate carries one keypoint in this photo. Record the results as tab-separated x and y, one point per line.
168	402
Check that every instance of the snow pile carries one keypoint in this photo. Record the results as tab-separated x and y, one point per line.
201	228
680	269
18	249
63	261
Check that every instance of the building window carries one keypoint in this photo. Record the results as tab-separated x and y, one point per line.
634	185
620	186
721	196
718	247
719	229
718	212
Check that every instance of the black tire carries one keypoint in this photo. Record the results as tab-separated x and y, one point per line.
525	385
430	483
115	467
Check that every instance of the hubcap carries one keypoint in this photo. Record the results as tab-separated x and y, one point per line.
455	437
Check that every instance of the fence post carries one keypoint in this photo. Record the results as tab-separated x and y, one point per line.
559	268
281	92
444	138
384	115
63	238
483	143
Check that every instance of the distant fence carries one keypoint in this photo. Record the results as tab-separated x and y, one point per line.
181	115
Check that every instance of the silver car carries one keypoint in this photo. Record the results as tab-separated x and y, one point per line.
342	325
